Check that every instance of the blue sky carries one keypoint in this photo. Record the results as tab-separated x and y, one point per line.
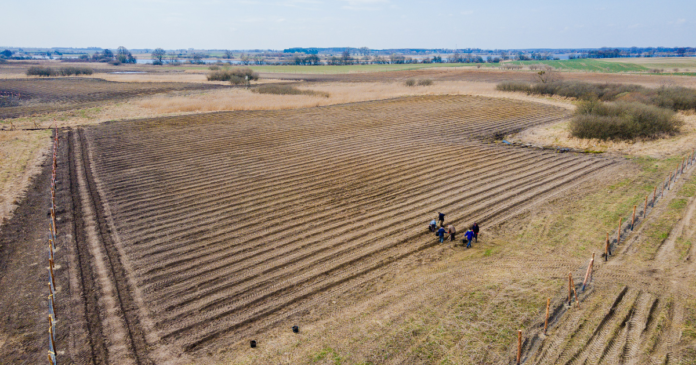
247	24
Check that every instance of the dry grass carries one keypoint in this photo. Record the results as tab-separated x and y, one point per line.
240	99
21	154
558	134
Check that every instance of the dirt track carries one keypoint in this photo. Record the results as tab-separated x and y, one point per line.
202	230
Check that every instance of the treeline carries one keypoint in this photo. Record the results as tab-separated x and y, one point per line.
122	55
617	111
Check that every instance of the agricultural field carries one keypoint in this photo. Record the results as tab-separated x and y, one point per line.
23	97
225	225
587	64
183	235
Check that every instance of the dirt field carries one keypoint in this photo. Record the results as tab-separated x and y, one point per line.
35	96
183	237
298	207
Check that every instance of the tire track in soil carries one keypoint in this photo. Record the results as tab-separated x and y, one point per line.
126	338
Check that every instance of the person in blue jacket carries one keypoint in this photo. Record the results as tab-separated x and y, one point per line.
468	237
433	226
441	234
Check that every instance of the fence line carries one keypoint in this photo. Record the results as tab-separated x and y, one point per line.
51	250
612	244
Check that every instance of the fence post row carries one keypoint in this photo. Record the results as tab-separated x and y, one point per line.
52	233
686	162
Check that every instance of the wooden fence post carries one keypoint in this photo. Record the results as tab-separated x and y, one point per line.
570	288
618	237
587	274
519	346
546	323
654	196
645	210
606	249
633	219
577	302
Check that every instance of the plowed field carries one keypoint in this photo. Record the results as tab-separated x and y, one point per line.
54	94
210	228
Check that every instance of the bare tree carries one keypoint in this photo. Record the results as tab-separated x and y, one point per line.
173	57
158	55
548	75
346	58
228	54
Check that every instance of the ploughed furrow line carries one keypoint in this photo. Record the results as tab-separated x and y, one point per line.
317	273
278	232
376	223
220	320
207	146
326	177
128	179
414	108
233	221
386	193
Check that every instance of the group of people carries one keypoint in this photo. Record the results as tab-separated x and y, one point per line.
470	234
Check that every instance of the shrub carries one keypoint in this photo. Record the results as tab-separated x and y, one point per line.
514	86
214	68
425	82
410	82
287	90
63	71
69	71
235	76
41	71
622	121
675	98
114	62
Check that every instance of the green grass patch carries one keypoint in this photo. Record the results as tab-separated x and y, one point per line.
587	64
328	353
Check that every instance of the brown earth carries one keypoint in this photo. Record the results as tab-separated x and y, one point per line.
36	96
337	197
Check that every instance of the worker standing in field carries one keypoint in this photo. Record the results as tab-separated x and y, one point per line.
468	237
475	229
441	234
441	218
452	232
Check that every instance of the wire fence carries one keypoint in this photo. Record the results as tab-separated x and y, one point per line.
51	250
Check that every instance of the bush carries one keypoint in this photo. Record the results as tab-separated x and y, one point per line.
69	71
214	68
41	71
235	76
287	90
410	82
514	86
675	98
114	62
425	82
64	71
622	121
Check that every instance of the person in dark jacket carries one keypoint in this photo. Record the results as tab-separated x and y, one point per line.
475	229
468	236
441	218
441	234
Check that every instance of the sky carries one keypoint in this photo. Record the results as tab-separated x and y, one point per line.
377	24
